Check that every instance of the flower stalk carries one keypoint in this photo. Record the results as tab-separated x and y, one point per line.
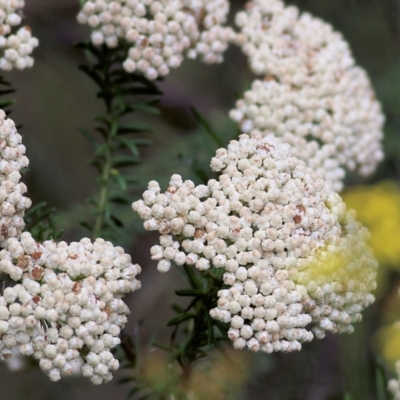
116	143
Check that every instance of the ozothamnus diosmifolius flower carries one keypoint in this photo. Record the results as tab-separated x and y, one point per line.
296	261
13	203
15	45
64	304
160	33
311	94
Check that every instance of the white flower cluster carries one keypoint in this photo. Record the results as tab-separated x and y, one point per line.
292	254
15	48
296	49
65	303
160	32
313	95
394	384
329	127
12	202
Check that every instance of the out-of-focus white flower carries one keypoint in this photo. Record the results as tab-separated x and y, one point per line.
394	384
293	255
313	95
15	45
66	304
161	33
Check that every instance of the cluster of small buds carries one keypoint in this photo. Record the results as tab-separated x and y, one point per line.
272	223
15	47
65	304
394	384
312	95
328	127
160	32
297	49
12	159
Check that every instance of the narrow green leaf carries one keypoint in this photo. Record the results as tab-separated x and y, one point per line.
101	180
177	308
103	131
114	128
193	278
119	179
92	74
141	142
101	149
381	381
125	161
129	144
134	91
119	198
204	123
148	108
88	47
107	212
180	318
85	225
132	392
93	202
56	235
130	179
189	292
105	119
35	208
222	327
161	346
117	221
106	95
6	103
46	213
6	91
133	128
201	174
4	82
88	136
97	164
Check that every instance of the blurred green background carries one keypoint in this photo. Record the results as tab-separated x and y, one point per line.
54	99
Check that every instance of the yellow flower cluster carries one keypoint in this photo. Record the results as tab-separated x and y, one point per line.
378	208
388	341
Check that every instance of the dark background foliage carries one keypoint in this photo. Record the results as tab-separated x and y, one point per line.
54	99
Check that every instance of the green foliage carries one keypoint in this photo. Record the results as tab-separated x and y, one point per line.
117	139
41	223
381	381
205	144
6	89
196	330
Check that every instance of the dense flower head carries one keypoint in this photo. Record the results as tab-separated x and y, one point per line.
15	46
12	159
293	255
295	48
331	127
65	303
313	95
160	32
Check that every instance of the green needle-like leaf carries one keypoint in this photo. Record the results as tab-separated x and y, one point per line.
180	318
207	127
